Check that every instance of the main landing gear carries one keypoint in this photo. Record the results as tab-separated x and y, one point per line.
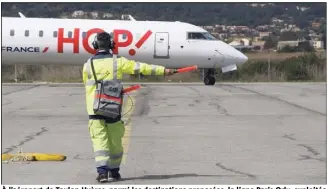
209	76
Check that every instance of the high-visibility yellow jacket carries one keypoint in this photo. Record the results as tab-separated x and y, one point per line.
107	69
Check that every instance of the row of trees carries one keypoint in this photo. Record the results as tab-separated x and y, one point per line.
196	13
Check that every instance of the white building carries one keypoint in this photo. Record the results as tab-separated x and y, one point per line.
282	44
243	41
94	14
317	44
107	15
77	14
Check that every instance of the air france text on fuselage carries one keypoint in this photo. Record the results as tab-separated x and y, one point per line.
20	49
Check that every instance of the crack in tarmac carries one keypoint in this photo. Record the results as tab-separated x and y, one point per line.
27	138
310	149
235	171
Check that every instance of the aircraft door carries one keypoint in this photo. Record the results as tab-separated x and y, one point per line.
161	49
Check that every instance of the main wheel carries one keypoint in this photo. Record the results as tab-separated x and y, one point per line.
209	80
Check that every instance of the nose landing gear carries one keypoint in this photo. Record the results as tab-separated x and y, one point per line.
209	77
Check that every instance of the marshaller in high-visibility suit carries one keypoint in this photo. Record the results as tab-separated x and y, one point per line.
107	133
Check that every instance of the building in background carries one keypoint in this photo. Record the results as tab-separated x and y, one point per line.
317	44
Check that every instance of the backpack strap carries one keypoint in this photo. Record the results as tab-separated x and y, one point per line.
93	70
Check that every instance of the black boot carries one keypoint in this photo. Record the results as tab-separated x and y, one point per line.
115	175
102	178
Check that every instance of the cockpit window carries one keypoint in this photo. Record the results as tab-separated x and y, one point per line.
209	36
196	36
201	35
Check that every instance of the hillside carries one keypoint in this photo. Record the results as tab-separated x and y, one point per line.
301	14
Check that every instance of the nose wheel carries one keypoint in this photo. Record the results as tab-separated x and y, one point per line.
209	78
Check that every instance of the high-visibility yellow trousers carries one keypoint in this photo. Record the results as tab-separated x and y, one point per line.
107	144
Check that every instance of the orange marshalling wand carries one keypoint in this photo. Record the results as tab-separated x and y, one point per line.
180	70
186	69
132	88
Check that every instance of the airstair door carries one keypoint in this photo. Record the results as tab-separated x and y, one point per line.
161	45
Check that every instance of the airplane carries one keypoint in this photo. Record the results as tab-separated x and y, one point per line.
41	41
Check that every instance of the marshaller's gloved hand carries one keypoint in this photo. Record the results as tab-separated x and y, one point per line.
170	71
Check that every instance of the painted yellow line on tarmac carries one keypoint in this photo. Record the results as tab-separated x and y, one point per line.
129	106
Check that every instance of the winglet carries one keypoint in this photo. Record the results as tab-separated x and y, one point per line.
21	15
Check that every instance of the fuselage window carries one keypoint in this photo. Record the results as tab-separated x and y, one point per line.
40	33
84	35
12	32
69	34
55	34
27	33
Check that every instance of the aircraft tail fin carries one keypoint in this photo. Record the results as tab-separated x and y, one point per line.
127	17
21	15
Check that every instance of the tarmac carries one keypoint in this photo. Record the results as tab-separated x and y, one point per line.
258	133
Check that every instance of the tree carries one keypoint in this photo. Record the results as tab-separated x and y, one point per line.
270	42
211	13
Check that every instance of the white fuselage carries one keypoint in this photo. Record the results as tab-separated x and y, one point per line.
67	42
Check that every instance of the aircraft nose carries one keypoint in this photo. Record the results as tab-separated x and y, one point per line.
229	55
240	57
234	56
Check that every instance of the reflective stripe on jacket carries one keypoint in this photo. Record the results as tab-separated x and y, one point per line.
106	69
